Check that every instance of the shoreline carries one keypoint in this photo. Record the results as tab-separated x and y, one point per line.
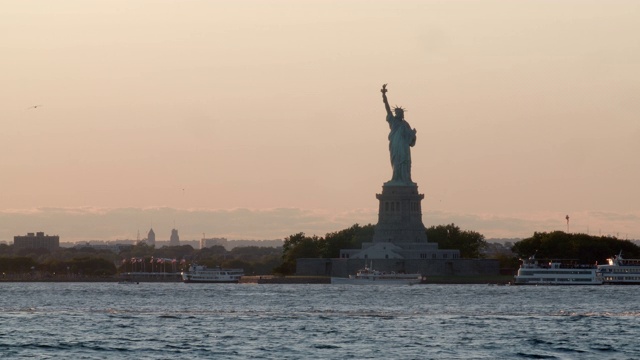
269	279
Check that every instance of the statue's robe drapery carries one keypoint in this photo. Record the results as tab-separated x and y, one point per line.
401	138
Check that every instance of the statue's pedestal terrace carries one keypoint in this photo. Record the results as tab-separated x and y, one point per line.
400	233
400	215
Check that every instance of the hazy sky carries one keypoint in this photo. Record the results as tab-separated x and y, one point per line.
259	119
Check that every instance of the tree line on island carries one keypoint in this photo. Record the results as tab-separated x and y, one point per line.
470	243
88	262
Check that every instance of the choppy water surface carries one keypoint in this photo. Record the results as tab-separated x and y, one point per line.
108	320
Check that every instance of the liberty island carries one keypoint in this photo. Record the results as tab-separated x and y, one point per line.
399	242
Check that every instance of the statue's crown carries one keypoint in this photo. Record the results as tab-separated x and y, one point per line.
399	108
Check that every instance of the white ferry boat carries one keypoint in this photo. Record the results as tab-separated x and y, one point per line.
368	276
621	271
556	272
203	274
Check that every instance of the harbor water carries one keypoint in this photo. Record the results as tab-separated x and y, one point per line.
240	321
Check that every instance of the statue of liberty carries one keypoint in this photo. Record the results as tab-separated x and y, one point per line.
401	138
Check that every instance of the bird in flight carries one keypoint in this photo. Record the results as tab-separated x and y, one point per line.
33	107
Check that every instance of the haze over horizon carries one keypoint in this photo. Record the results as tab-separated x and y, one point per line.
261	119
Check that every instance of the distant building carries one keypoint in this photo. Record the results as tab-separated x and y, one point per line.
204	243
36	241
151	238
175	239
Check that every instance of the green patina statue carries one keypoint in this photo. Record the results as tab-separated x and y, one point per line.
401	138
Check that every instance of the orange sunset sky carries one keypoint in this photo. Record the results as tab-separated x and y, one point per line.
260	119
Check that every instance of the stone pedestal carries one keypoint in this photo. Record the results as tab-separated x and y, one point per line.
400	215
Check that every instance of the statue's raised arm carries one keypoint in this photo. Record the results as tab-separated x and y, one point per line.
384	99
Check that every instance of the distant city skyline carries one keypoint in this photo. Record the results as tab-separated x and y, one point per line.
261	119
73	225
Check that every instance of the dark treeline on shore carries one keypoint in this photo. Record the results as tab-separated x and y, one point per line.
88	262
586	249
470	243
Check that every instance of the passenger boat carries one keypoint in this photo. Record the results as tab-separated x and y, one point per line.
203	274
556	272
621	271
368	276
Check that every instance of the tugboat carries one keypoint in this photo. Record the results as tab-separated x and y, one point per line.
203	274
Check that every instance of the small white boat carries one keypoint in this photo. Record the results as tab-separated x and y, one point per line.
556	272
203	274
368	276
621	271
